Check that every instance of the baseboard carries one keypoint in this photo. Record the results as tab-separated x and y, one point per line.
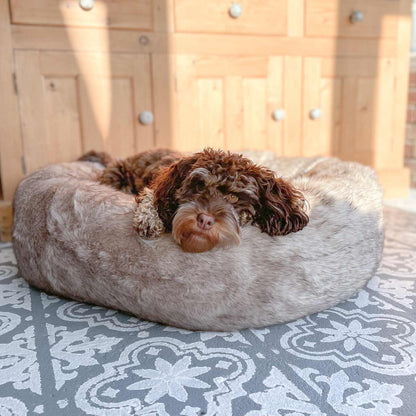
6	220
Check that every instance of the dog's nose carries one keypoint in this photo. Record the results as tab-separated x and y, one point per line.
205	221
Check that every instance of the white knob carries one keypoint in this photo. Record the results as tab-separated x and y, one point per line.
357	16
146	117
279	114
86	4
315	113
235	10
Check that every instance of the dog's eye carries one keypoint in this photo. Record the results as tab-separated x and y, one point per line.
197	182
233	198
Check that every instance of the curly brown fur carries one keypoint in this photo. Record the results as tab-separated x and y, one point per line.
133	174
205	197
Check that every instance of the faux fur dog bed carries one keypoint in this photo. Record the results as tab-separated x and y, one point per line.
74	238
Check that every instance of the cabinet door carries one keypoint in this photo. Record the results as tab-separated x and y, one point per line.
354	96
228	102
70	103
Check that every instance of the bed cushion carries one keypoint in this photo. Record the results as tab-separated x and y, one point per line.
74	238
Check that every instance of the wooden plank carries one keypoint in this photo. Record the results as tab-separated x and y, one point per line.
187	126
220	66
126	14
211	113
213	17
274	102
165	98
39	38
62	125
346	148
108	119
32	112
349	67
163	16
85	39
384	146
91	63
365	121
11	151
142	92
292	130
402	67
330	133
234	113
311	141
296	18
255	113
90	109
267	45
121	138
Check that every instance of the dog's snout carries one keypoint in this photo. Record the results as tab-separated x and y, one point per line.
205	221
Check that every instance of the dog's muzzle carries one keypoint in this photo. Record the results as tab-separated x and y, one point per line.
199	227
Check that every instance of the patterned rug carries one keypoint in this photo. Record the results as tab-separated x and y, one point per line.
59	357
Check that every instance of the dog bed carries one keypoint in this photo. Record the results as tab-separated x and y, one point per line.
73	237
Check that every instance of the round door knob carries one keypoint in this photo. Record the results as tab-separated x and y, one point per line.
279	114
235	10
315	113
86	4
357	16
146	117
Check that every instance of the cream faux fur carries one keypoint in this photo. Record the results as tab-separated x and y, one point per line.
75	238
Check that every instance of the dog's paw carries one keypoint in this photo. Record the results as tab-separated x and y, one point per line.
146	219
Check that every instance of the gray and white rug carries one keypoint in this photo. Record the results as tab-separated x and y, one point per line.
59	357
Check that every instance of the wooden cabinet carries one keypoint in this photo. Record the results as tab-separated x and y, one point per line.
298	77
73	102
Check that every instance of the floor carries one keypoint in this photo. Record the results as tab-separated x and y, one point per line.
59	357
407	204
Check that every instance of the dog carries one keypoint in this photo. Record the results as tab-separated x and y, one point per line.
204	198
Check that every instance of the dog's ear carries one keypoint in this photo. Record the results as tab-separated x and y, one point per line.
167	182
281	208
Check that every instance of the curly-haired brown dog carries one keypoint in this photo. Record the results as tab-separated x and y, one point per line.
204	198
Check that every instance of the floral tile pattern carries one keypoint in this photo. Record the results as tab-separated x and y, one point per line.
59	357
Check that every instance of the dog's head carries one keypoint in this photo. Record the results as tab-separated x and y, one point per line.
204	198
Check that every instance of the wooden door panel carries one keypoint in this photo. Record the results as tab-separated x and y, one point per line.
71	103
61	112
108	119
228	102
36	145
354	97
